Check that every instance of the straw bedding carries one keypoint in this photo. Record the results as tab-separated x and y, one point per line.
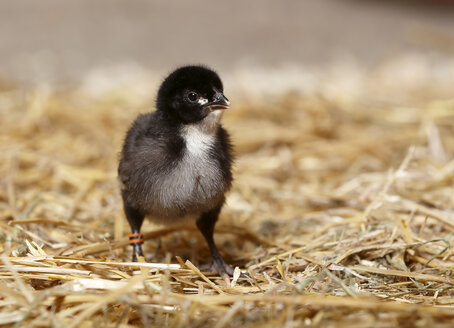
341	215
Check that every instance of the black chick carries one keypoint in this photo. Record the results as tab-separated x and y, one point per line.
176	162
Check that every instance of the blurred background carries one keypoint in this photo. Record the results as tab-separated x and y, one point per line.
55	41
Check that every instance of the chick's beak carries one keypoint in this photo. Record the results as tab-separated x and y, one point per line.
220	102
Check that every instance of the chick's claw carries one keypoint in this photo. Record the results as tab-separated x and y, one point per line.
223	269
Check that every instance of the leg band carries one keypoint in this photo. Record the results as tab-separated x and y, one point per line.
136	238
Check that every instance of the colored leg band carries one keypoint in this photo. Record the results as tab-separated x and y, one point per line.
136	238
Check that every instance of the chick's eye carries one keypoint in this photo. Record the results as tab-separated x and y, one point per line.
192	96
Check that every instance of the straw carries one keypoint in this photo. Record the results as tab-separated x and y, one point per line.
341	213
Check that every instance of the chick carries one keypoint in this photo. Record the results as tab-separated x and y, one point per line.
176	162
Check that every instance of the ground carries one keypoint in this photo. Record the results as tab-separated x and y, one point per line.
341	214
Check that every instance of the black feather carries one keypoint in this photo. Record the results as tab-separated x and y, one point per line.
161	173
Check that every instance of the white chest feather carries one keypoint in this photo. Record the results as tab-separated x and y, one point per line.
196	182
198	143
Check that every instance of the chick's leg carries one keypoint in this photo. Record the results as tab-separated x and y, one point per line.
206	224
135	219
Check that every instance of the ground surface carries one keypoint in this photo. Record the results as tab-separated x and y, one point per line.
341	212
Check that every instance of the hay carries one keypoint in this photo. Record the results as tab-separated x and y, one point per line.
341	215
